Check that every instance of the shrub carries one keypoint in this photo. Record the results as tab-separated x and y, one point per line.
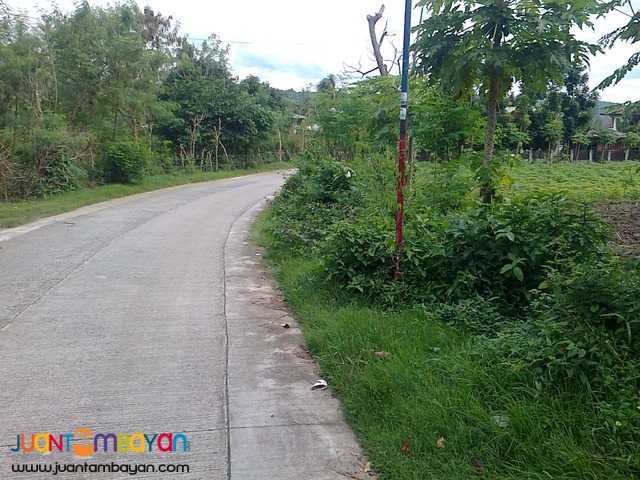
444	189
502	251
124	162
320	194
359	254
44	163
583	330
505	250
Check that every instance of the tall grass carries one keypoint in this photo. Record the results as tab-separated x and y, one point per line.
430	399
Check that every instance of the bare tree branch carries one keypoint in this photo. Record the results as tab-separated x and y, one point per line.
350	70
373	19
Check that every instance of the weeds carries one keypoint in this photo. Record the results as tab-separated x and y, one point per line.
509	347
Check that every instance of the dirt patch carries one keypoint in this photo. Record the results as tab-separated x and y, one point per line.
624	217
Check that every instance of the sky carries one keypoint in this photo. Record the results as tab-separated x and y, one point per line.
296	43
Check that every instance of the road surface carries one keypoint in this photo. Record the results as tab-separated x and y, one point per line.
149	315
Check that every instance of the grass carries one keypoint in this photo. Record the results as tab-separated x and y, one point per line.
13	214
407	376
588	182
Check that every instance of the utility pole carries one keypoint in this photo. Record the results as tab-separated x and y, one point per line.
404	103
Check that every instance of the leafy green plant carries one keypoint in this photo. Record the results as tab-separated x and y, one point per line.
320	194
444	188
502	252
124	162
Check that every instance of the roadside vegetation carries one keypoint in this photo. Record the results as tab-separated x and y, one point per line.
116	94
13	214
509	346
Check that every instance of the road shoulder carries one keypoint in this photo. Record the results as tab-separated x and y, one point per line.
278	426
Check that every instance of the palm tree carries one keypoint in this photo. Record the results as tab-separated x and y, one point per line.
328	84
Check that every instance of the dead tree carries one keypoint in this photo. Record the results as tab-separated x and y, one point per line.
375	43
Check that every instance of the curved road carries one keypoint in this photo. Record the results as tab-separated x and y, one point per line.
115	318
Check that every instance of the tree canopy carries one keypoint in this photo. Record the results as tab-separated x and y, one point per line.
80	90
491	44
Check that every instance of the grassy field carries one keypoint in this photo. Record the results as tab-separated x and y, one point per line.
589	182
13	214
428	400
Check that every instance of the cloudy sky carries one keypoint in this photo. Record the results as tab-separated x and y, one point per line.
295	43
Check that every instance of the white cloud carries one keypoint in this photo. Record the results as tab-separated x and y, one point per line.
296	42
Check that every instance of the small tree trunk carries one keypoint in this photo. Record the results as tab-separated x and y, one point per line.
487	190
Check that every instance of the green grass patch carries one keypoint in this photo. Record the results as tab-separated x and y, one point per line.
13	214
487	357
584	182
406	375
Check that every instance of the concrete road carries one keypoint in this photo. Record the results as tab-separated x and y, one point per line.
146	327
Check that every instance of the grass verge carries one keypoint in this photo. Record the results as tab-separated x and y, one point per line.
406	378
13	214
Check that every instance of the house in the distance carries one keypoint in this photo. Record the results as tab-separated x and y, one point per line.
608	142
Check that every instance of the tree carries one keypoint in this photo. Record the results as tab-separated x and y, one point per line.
328	84
627	33
577	101
580	139
441	126
553	132
492	44
632	140
375	43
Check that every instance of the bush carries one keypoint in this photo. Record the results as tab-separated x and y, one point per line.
359	254
583	330
124	162
505	250
320	194
443	188
44	160
502	251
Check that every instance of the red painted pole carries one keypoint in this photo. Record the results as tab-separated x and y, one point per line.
404	97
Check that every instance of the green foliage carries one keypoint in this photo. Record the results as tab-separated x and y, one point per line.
322	193
491	44
583	331
116	72
441	126
444	188
358	255
459	39
124	162
502	252
626	33
45	160
408	375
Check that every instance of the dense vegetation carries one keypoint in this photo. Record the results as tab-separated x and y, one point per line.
511	338
104	95
509	344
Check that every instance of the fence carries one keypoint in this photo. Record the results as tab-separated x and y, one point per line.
582	155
